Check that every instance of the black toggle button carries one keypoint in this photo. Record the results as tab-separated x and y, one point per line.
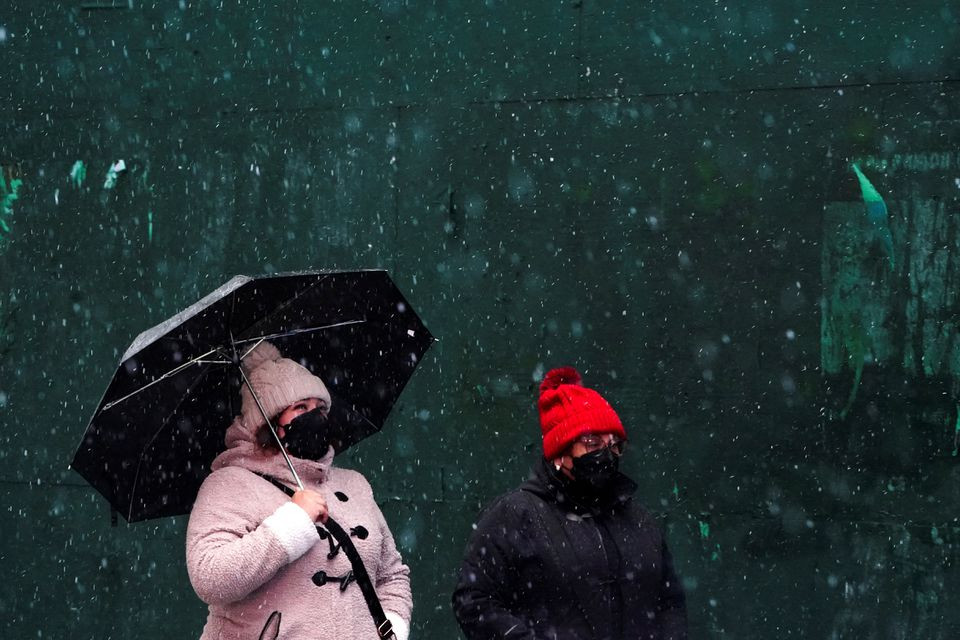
320	578
359	532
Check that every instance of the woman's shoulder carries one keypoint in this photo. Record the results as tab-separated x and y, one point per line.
232	481
233	494
511	508
231	475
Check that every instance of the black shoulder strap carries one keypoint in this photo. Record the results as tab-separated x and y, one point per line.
279	485
384	627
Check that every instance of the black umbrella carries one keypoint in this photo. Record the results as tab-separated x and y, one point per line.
163	417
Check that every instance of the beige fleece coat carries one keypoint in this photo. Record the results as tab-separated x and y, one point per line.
251	551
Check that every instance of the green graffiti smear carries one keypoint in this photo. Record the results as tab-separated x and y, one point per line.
855	341
9	193
78	173
935	536
870	193
704	530
956	433
876	212
854	332
676	491
115	170
928	600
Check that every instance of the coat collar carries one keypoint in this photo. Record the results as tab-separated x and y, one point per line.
555	487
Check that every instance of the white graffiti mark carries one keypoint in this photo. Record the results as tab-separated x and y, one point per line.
919	161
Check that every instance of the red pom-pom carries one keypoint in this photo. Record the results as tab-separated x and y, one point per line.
557	377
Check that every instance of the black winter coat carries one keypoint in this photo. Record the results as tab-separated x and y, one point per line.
546	564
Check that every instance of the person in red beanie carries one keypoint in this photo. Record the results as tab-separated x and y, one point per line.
569	555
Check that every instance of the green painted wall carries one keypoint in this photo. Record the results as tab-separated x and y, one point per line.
657	193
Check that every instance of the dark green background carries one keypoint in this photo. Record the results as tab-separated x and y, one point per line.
648	191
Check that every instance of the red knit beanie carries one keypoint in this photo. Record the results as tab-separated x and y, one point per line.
569	410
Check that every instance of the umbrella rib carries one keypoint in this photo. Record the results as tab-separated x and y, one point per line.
198	359
335	399
369	421
250	349
136	477
298	331
289	302
229	325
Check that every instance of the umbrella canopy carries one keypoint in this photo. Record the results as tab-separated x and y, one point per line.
163	417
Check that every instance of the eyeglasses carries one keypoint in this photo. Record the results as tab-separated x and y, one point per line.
594	441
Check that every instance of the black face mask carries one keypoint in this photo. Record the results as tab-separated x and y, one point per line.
308	435
593	471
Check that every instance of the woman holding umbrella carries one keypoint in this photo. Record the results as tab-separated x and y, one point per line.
253	551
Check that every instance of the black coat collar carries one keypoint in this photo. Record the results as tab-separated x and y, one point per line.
555	487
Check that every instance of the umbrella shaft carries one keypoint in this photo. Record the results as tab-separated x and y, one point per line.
273	431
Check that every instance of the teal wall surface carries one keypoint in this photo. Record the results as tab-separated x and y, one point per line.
660	194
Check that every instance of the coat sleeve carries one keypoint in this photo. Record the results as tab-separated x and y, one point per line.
392	581
672	604
229	553
488	579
